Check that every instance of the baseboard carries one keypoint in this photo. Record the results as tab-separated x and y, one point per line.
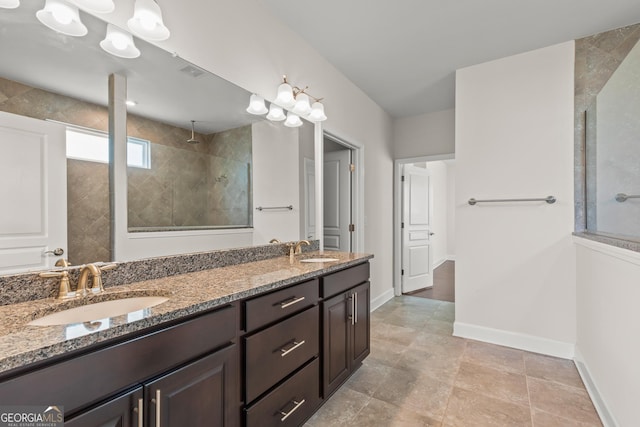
603	410
381	299
515	340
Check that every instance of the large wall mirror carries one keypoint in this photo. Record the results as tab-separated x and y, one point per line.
199	165
612	151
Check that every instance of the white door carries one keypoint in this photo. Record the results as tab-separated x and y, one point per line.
309	199
33	173
337	200
416	230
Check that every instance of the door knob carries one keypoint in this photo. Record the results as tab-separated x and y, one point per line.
431	234
56	252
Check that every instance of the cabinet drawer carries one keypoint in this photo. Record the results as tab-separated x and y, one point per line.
277	351
298	397
83	380
342	280
268	308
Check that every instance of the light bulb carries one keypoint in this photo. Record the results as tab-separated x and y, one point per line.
9	4
119	43
293	121
62	18
317	112
285	95
256	105
148	20
276	114
302	106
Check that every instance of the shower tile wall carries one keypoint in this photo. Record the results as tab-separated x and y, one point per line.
157	194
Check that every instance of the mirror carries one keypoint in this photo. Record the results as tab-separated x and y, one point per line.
613	153
241	162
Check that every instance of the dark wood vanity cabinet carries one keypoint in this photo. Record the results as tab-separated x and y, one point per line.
193	365
269	360
346	326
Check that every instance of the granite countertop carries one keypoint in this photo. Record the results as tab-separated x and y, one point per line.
22	344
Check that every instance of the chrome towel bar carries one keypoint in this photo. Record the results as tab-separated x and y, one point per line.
621	197
549	199
266	208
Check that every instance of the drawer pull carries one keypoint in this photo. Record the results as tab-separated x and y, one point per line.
156	401
294	409
287	351
289	303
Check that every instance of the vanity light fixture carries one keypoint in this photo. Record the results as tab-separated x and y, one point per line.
97	6
62	17
9	4
289	97
147	21
119	43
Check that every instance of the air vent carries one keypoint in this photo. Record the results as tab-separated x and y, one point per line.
192	71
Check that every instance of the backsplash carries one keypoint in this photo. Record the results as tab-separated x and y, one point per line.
29	286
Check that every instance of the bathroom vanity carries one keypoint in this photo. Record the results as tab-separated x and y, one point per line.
255	344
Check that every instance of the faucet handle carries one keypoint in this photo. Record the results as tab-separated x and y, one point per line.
62	263
106	267
64	289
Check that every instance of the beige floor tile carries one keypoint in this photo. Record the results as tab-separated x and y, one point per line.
340	410
395	387
441	327
400	335
378	413
368	378
543	419
552	369
442	344
494	356
467	409
443	367
503	385
386	352
561	400
407	319
428	396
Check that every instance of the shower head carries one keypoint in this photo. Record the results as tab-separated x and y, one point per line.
192	140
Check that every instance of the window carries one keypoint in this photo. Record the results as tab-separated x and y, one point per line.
93	146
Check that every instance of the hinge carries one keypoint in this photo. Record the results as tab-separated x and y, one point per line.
352	167
402	225
402	272
352	228
402	178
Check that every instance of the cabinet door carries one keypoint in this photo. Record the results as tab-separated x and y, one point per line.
123	411
337	323
202	393
360	336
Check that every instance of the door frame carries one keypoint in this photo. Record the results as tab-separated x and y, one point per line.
357	189
397	212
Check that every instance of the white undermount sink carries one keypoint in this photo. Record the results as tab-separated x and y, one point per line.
319	260
98	310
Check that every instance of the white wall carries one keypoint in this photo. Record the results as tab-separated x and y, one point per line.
424	135
608	342
275	182
515	263
241	42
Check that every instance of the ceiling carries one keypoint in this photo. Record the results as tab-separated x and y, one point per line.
404	53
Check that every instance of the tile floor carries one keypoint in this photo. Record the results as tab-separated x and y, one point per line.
418	374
